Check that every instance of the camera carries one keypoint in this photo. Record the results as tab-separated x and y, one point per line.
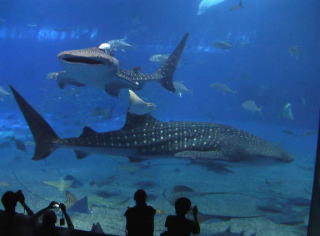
19	195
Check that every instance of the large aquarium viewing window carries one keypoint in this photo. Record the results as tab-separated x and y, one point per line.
215	101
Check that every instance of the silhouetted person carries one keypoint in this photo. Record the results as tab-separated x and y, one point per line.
179	225
49	220
11	222
140	217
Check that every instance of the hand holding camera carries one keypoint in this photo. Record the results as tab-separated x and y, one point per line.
195	210
54	204
19	196
62	207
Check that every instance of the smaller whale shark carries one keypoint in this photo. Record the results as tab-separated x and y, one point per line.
96	68
144	137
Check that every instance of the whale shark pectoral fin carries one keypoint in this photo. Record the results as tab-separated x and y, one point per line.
80	154
62	81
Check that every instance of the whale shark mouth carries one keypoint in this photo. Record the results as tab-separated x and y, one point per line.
88	56
83	60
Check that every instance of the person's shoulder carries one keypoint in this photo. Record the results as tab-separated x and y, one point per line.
171	217
22	217
151	209
128	211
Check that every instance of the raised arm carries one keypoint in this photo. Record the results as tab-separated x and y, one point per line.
68	219
196	229
21	199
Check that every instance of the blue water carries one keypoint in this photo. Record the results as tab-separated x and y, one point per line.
258	67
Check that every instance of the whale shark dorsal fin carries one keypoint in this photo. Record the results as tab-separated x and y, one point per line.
86	132
134	120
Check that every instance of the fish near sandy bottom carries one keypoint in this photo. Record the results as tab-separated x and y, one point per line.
146	137
93	67
228	232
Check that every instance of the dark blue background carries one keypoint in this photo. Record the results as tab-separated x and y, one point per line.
272	76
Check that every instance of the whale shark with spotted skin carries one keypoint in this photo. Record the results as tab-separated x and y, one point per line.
96	68
144	137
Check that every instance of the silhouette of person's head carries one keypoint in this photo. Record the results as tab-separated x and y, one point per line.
9	201
140	197
182	206
49	219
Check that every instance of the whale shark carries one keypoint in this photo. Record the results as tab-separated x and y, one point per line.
96	68
144	137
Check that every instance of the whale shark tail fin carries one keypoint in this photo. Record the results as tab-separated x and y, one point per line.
168	68
42	132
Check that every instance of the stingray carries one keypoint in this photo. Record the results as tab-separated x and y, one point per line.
62	184
146	184
106	194
20	145
272	205
75	182
281	212
103	182
80	206
298	201
228	232
212	217
190	191
292	218
185	191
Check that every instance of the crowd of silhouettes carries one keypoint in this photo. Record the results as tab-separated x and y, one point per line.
139	219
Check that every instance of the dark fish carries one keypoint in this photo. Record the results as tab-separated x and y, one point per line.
298	201
182	188
288	132
106	194
146	184
237	6
146	137
228	232
75	182
93	67
103	182
5	144
190	191
280	211
19	144
208	217
213	166
270	207
185	191
290	218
